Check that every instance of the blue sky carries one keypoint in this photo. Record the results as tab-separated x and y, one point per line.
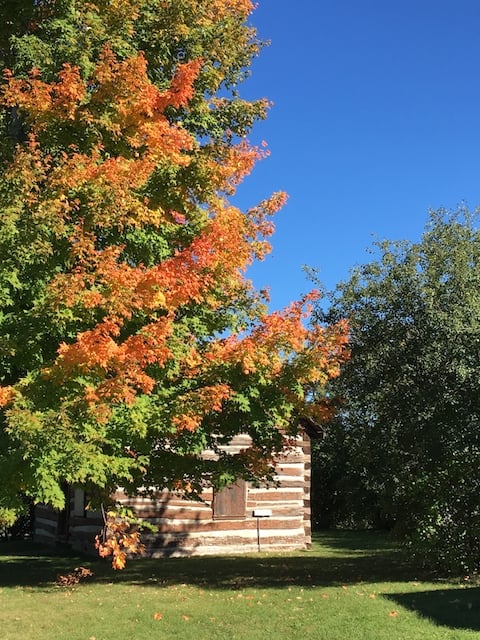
376	120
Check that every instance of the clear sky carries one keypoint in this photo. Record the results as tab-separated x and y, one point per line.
376	120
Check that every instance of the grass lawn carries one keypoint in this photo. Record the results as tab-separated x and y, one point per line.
349	586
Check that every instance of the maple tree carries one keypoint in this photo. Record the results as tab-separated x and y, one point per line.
131	339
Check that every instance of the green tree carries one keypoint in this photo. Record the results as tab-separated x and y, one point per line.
411	412
130	338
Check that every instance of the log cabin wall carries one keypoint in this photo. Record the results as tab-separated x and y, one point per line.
73	525
224	523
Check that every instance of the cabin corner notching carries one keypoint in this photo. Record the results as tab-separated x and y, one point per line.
223	523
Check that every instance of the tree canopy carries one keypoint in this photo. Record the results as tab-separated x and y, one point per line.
130	338
411	415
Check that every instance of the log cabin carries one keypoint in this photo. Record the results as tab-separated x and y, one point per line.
238	519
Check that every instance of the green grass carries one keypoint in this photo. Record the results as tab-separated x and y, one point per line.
349	586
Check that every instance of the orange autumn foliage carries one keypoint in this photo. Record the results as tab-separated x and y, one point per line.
118	540
7	394
127	106
218	255
222	7
200	402
140	339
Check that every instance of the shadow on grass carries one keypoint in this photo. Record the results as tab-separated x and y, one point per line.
334	560
28	564
454	608
347	541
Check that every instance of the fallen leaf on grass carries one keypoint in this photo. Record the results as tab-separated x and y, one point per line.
77	575
393	614
372	596
157	616
186	617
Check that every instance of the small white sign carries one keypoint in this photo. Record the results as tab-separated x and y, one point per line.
262	513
